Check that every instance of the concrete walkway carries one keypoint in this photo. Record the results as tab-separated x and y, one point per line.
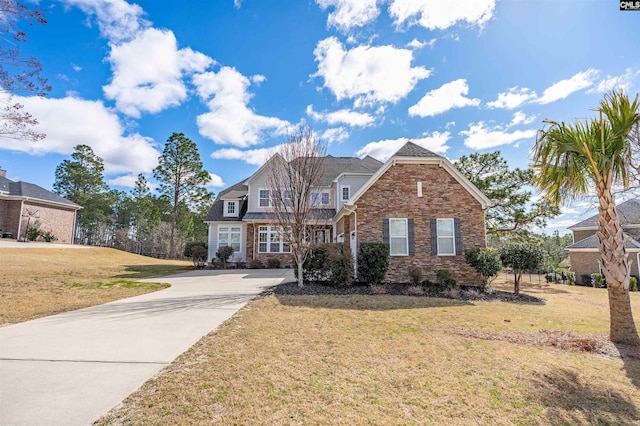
71	368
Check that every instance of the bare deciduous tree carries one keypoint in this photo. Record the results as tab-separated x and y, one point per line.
294	175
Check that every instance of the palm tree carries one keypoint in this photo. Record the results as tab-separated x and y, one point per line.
572	159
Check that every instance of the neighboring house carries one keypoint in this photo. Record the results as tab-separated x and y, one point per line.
584	253
417	202
23	203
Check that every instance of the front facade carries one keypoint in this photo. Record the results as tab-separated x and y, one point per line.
584	253
417	202
24	205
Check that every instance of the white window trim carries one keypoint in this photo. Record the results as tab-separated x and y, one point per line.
269	232
225	212
229	236
342	192
406	237
453	237
320	194
268	198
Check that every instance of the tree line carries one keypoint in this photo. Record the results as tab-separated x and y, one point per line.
140	221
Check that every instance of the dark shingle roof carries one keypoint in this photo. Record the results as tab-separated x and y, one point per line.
592	242
629	213
334	166
239	190
30	190
322	214
410	149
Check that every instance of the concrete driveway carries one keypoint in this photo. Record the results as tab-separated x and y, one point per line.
71	368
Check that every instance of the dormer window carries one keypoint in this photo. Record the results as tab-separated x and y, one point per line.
345	192
231	208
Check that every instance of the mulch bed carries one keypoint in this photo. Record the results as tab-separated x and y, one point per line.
459	293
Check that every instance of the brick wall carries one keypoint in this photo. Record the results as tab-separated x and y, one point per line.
57	220
587	263
10	216
286	259
394	195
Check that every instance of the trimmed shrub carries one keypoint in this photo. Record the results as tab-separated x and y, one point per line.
445	279
339	265
585	279
274	263
199	257
415	275
190	246
633	284
224	253
597	281
571	278
486	261
427	283
256	264
313	268
33	233
49	237
373	262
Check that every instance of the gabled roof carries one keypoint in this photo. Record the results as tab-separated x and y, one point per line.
629	213
237	191
410	149
335	166
591	242
36	193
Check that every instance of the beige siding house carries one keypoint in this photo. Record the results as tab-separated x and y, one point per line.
417	202
24	204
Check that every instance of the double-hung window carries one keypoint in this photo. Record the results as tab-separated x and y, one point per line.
263	196
230	236
345	192
231	207
270	240
398	237
320	198
446	237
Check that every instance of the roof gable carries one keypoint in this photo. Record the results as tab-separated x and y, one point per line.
628	212
410	149
34	192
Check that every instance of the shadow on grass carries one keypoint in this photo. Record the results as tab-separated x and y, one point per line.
147	271
570	400
367	302
631	358
531	288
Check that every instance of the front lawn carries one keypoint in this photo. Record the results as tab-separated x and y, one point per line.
384	359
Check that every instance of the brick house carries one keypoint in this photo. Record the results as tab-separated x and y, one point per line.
584	253
417	202
23	203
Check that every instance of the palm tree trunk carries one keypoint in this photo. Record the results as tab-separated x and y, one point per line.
616	269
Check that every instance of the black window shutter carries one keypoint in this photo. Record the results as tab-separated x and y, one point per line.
385	231
458	235
412	240
434	236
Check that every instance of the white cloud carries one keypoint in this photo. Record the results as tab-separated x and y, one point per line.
515	97
148	72
480	137
117	20
215	181
335	134
237	3
565	223
438	14
229	120
68	122
564	88
382	150
520	117
255	157
345	116
258	78
350	13
127	181
610	83
76	68
367	74
446	97
417	44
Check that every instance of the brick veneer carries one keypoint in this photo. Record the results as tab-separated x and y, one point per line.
394	195
586	263
285	258
57	220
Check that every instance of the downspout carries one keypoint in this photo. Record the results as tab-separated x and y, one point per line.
20	220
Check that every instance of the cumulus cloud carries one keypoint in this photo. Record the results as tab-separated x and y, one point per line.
349	13
382	150
230	121
417	44
254	157
117	20
215	181
446	97
479	136
515	97
148	72
564	88
623	81
437	14
335	134
367	74
68	122
345	116
520	117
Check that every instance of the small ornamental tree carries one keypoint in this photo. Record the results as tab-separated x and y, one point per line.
223	254
373	262
521	257
486	261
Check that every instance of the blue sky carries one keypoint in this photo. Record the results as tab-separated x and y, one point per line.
454	76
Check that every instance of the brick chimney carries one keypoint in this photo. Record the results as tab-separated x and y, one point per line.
3	173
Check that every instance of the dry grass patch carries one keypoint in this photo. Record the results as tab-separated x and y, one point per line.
380	359
40	282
